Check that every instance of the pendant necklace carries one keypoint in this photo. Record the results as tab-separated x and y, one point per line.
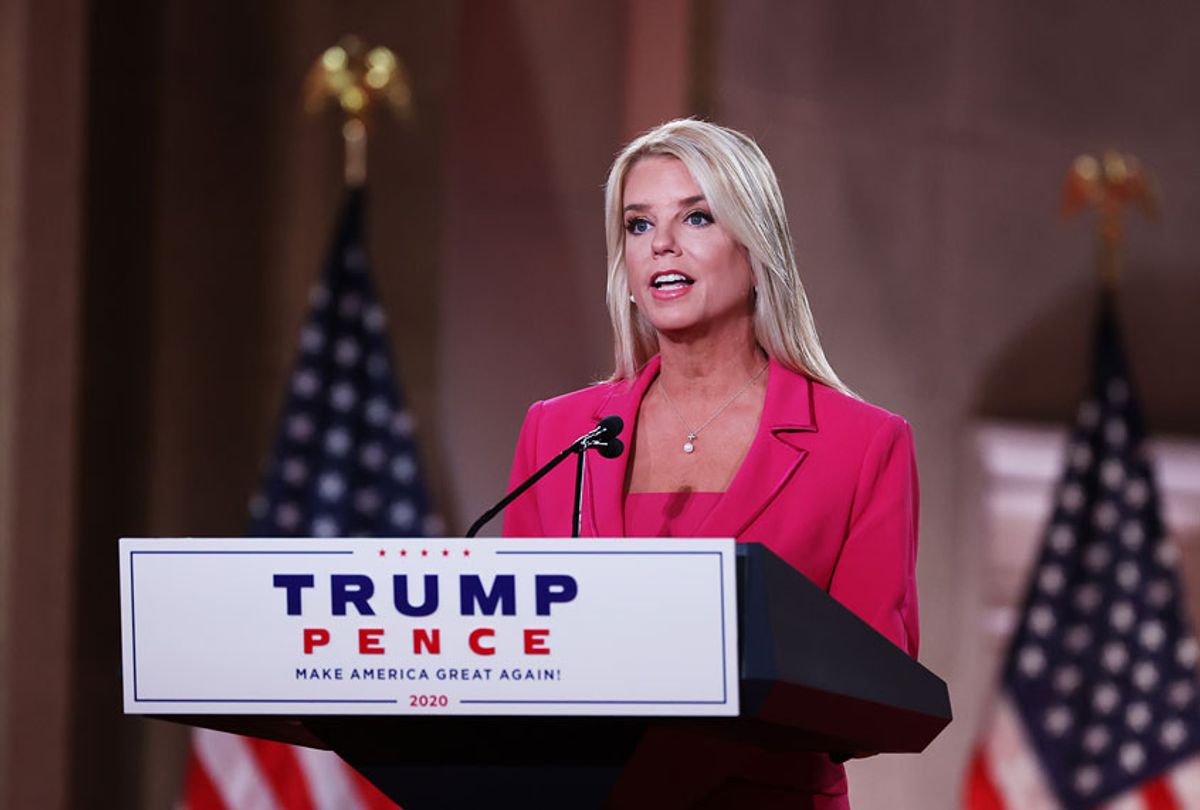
689	446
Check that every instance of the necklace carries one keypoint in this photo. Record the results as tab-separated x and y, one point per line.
689	446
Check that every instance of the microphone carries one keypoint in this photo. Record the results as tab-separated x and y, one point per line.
602	438
607	444
613	425
606	430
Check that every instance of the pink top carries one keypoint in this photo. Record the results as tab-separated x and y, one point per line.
667	514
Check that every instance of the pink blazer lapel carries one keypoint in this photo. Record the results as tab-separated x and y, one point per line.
774	455
606	477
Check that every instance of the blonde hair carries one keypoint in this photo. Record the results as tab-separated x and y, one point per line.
740	186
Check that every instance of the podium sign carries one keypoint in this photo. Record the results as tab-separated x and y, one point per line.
429	626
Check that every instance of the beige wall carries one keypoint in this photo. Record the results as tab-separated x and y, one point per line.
521	290
160	225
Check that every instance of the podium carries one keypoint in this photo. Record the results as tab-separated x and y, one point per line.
811	677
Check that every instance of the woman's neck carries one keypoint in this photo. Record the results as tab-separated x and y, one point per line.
703	369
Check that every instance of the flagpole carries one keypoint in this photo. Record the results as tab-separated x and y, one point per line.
359	79
354	134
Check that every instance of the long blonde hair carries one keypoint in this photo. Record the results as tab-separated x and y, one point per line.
740	186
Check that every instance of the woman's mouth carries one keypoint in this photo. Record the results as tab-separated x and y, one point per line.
670	284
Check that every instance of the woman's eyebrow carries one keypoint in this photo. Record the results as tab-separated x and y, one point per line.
684	203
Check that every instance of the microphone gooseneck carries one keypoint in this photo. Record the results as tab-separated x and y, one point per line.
602	438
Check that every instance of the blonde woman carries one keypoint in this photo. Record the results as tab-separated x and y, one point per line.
736	427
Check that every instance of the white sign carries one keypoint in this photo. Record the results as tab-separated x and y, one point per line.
425	626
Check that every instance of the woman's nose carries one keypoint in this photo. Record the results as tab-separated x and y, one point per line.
664	240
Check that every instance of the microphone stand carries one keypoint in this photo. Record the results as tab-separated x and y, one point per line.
595	439
577	512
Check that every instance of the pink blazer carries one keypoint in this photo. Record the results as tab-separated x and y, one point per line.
829	484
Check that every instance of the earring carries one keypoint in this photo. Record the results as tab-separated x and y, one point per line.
632	300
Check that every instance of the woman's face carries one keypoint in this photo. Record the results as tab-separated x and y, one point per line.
686	272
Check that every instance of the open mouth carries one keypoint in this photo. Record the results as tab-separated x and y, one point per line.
671	280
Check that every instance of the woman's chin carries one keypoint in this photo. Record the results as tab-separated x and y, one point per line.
680	329
675	329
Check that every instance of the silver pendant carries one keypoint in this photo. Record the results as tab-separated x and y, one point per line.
688	446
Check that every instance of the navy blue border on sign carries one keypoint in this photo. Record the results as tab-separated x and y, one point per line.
133	631
724	673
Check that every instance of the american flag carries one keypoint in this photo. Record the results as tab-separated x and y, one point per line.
1098	704
344	464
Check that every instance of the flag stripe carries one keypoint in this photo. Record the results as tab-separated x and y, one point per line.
1128	801
334	785
233	770
1178	789
228	772
1185	782
981	792
1010	761
328	779
1157	795
279	765
199	791
369	796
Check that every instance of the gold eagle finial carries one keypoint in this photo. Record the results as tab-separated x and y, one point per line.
358	79
1108	184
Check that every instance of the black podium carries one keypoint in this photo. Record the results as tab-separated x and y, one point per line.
813	677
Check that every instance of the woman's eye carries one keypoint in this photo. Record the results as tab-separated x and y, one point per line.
698	218
637	226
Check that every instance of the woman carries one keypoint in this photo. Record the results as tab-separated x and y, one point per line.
739	427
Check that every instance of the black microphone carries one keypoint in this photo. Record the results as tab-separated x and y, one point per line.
613	425
606	442
606	430
602	438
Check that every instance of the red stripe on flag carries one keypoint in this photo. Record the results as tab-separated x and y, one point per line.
1157	795
371	797
980	792
199	792
279	765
